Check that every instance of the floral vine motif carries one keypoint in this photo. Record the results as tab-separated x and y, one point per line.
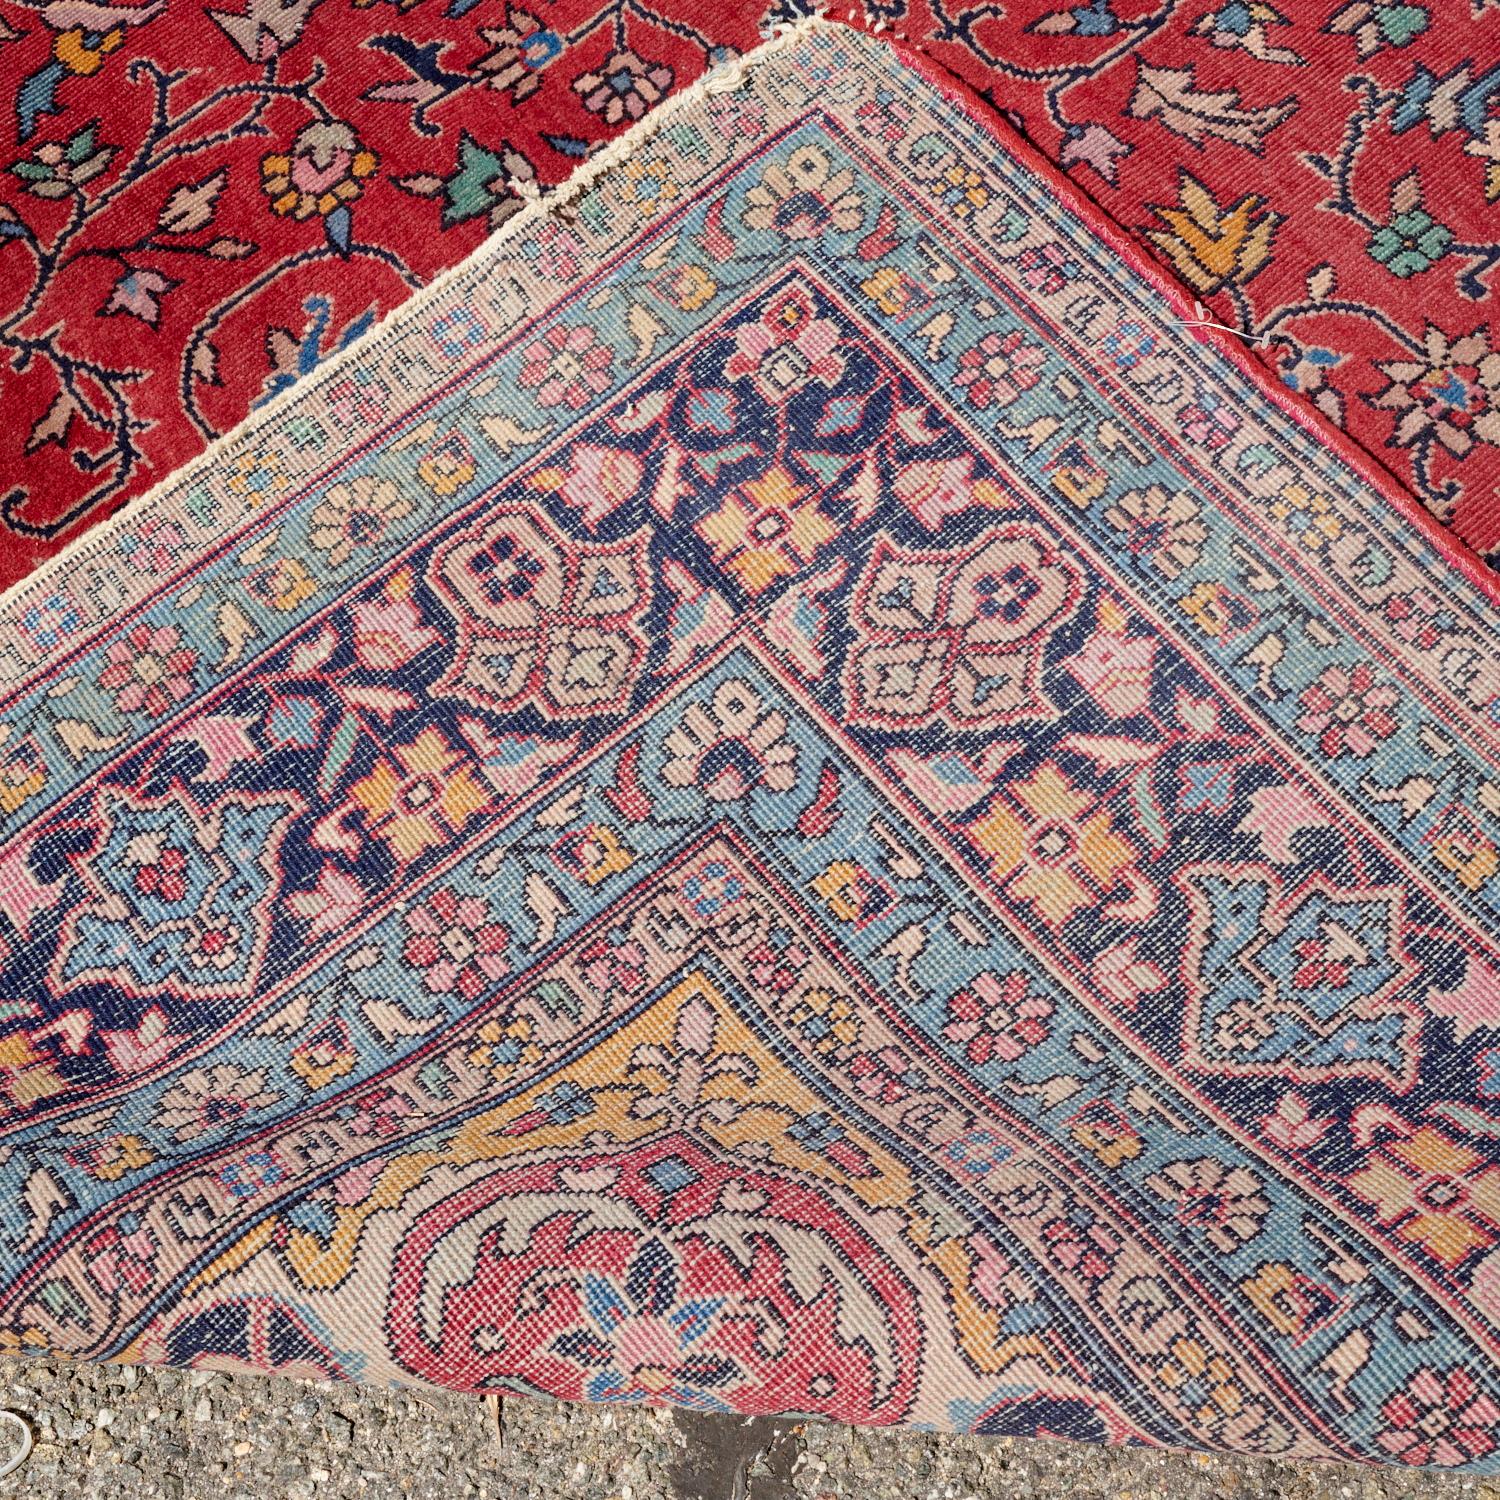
182	220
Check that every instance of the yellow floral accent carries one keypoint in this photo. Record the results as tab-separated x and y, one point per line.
79	57
21	778
1110	1145
892	291
1470	859
121	1155
287	584
1434	1189
506	1049
691	287
767	529
650	180
962	189
1307	516
25	1074
421	800
320	1062
598	854
842	886
447	468
1052	845
829	1020
326	167
1081	482
1270	1292
1213	248
257	477
1209	1376
1204	606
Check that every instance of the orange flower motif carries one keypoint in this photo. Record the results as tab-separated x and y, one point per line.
1052	846
1438	1193
423	799
83	52
26	1075
767	529
1213	247
325	169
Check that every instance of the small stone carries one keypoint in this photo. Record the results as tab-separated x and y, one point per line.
241	1448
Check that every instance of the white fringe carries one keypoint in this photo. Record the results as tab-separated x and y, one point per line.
96	540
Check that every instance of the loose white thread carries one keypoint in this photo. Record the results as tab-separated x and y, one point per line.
1202	320
23	1449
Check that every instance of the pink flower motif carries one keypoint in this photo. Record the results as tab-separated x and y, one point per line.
777	962
1124	978
600	480
567	366
149	670
455	944
997	1018
554	251
1081	1245
997	369
1212	424
138	294
1291	1126
153	546
607	965
788	347
358	400
389	633
1418	617
121	1255
1349	711
329	905
1440	1419
1115	671
1046	268
885	1076
736	114
378	1113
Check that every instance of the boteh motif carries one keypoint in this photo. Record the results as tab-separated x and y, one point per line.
1313	983
178	895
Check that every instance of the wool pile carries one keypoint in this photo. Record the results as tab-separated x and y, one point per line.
789	790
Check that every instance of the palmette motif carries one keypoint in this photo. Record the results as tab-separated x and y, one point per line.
770	827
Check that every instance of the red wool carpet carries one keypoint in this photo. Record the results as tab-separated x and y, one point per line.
195	208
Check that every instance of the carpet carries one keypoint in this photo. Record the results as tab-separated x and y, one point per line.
197	204
1324	175
197	209
752	805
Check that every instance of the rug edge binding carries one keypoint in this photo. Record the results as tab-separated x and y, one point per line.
96	538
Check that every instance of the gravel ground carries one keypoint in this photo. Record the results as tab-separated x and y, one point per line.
128	1434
